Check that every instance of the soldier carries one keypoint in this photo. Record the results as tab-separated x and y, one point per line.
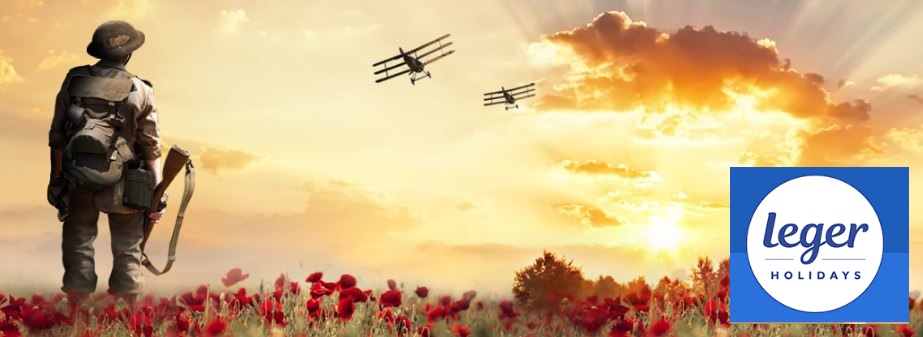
103	109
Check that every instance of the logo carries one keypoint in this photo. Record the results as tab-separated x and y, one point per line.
821	245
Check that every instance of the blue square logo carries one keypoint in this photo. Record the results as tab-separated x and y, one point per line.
819	244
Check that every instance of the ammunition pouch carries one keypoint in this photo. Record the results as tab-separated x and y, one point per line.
138	191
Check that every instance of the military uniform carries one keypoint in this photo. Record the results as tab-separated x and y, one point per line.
141	131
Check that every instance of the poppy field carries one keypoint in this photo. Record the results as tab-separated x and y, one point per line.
319	305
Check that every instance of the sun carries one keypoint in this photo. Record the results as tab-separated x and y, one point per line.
664	233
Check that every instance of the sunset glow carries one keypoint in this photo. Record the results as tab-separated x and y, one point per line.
306	164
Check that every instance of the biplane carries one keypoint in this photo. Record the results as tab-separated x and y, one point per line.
414	60
509	96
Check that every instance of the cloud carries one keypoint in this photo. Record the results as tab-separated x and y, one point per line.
589	215
915	98
899	81
619	65
829	145
130	9
465	206
55	59
843	83
216	159
31	3
8	73
593	167
231	20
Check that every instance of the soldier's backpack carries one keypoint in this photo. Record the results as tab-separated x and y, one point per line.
96	152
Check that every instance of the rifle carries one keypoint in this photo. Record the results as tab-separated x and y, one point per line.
176	160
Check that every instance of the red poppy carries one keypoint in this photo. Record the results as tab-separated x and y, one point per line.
345	309
716	311
233	277
460	330
469	295
392	285
659	328
445	300
347	281
271	311
506	310
182	322
435	314
280	282
403	325
421	292
318	289
353	294
460	305
390	298
425	331
216	327
904	330
314	277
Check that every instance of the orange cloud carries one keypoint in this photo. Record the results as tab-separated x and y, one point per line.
589	215
623	65
594	167
8	74
215	159
832	145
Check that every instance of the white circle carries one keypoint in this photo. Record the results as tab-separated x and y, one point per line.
815	200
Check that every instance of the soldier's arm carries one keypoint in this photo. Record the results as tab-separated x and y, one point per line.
56	138
148	135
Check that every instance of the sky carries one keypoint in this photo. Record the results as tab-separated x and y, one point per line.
620	163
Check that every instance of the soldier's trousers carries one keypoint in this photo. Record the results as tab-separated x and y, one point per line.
80	230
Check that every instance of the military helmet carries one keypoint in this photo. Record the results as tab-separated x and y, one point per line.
114	40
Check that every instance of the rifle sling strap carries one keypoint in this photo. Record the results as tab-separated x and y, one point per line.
171	255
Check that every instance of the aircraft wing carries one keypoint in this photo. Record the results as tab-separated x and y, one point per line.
511	90
523	97
494	103
517	95
427	44
392	58
390	68
392	76
424	55
438	57
493	93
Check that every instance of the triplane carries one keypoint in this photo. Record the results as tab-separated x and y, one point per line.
415	63
509	96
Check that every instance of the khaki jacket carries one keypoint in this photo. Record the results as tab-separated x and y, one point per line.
140	129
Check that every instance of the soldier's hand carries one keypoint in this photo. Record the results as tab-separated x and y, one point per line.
155	216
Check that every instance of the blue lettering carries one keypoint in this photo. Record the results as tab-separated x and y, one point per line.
853	231
788	275
786	231
812	241
839	229
813	247
770	223
774	275
833	276
820	275
856	274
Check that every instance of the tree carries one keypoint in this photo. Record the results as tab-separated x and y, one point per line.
724	268
703	276
672	288
607	287
546	282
